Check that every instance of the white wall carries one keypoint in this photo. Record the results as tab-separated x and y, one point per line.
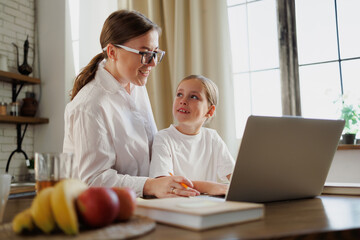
345	167
55	71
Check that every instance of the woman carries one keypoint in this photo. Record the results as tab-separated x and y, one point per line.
109	125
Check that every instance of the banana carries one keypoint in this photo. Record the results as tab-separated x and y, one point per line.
41	210
23	222
63	204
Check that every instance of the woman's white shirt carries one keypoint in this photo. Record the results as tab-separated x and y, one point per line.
110	133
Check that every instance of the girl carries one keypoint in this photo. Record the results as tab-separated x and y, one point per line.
187	148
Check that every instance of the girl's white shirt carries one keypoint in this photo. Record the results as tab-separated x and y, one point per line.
202	157
110	133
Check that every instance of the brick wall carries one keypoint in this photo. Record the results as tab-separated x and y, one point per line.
17	18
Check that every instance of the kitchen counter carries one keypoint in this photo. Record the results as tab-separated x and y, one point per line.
19	190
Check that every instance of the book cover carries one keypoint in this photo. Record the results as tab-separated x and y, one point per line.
341	188
198	213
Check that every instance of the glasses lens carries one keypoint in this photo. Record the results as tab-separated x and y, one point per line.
159	56
149	56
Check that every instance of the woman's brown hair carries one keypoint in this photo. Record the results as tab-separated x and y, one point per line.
120	27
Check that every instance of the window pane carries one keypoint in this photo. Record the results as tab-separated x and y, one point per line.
75	45
242	98
263	40
234	2
351	80
238	38
266	93
320	88
316	31
74	18
349	22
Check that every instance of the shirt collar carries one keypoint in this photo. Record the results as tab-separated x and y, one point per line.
107	81
185	136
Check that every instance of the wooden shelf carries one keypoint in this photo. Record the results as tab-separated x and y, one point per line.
18	78
15	79
23	120
348	146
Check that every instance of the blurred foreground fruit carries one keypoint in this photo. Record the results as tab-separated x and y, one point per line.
63	204
41	210
127	198
98	206
23	222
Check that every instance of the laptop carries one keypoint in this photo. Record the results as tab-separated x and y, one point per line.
283	158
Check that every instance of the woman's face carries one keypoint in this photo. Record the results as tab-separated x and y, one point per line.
126	66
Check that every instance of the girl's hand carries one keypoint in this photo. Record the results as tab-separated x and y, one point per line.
163	187
211	188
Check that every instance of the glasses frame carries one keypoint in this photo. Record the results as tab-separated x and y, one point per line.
143	53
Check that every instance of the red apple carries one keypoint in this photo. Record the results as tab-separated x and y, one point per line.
127	199
98	206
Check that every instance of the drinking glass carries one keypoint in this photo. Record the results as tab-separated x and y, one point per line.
50	168
5	181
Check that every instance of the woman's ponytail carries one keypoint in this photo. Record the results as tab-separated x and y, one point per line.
86	75
121	26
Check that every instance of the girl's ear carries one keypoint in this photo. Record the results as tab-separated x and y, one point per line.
211	111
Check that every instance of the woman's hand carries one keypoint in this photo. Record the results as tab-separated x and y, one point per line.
163	187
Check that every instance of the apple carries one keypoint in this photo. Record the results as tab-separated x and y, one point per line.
98	206
127	199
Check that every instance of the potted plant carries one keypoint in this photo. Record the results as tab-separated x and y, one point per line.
351	115
31	171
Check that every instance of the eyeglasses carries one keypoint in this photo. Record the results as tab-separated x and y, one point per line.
146	57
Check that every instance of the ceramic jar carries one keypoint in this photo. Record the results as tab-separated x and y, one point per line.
29	107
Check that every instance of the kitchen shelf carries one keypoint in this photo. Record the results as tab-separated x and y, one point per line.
19	80
23	120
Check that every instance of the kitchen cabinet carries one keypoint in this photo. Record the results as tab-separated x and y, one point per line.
18	81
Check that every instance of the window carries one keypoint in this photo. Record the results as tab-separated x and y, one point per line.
253	34
74	6
328	56
86	29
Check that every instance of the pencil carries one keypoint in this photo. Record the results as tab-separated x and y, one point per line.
182	184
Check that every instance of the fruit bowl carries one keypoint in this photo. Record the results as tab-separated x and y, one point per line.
135	227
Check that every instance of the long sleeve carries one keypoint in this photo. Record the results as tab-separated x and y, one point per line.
110	133
95	156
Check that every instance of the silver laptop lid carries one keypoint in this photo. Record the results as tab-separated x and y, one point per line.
282	158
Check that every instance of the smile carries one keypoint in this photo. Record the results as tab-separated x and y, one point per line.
183	110
146	72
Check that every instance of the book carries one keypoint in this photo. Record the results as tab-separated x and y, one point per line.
198	213
341	188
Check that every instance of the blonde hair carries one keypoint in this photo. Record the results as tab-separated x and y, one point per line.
211	90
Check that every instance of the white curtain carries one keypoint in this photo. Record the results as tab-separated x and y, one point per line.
196	40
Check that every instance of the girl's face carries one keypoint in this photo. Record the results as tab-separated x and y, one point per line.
191	107
126	66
